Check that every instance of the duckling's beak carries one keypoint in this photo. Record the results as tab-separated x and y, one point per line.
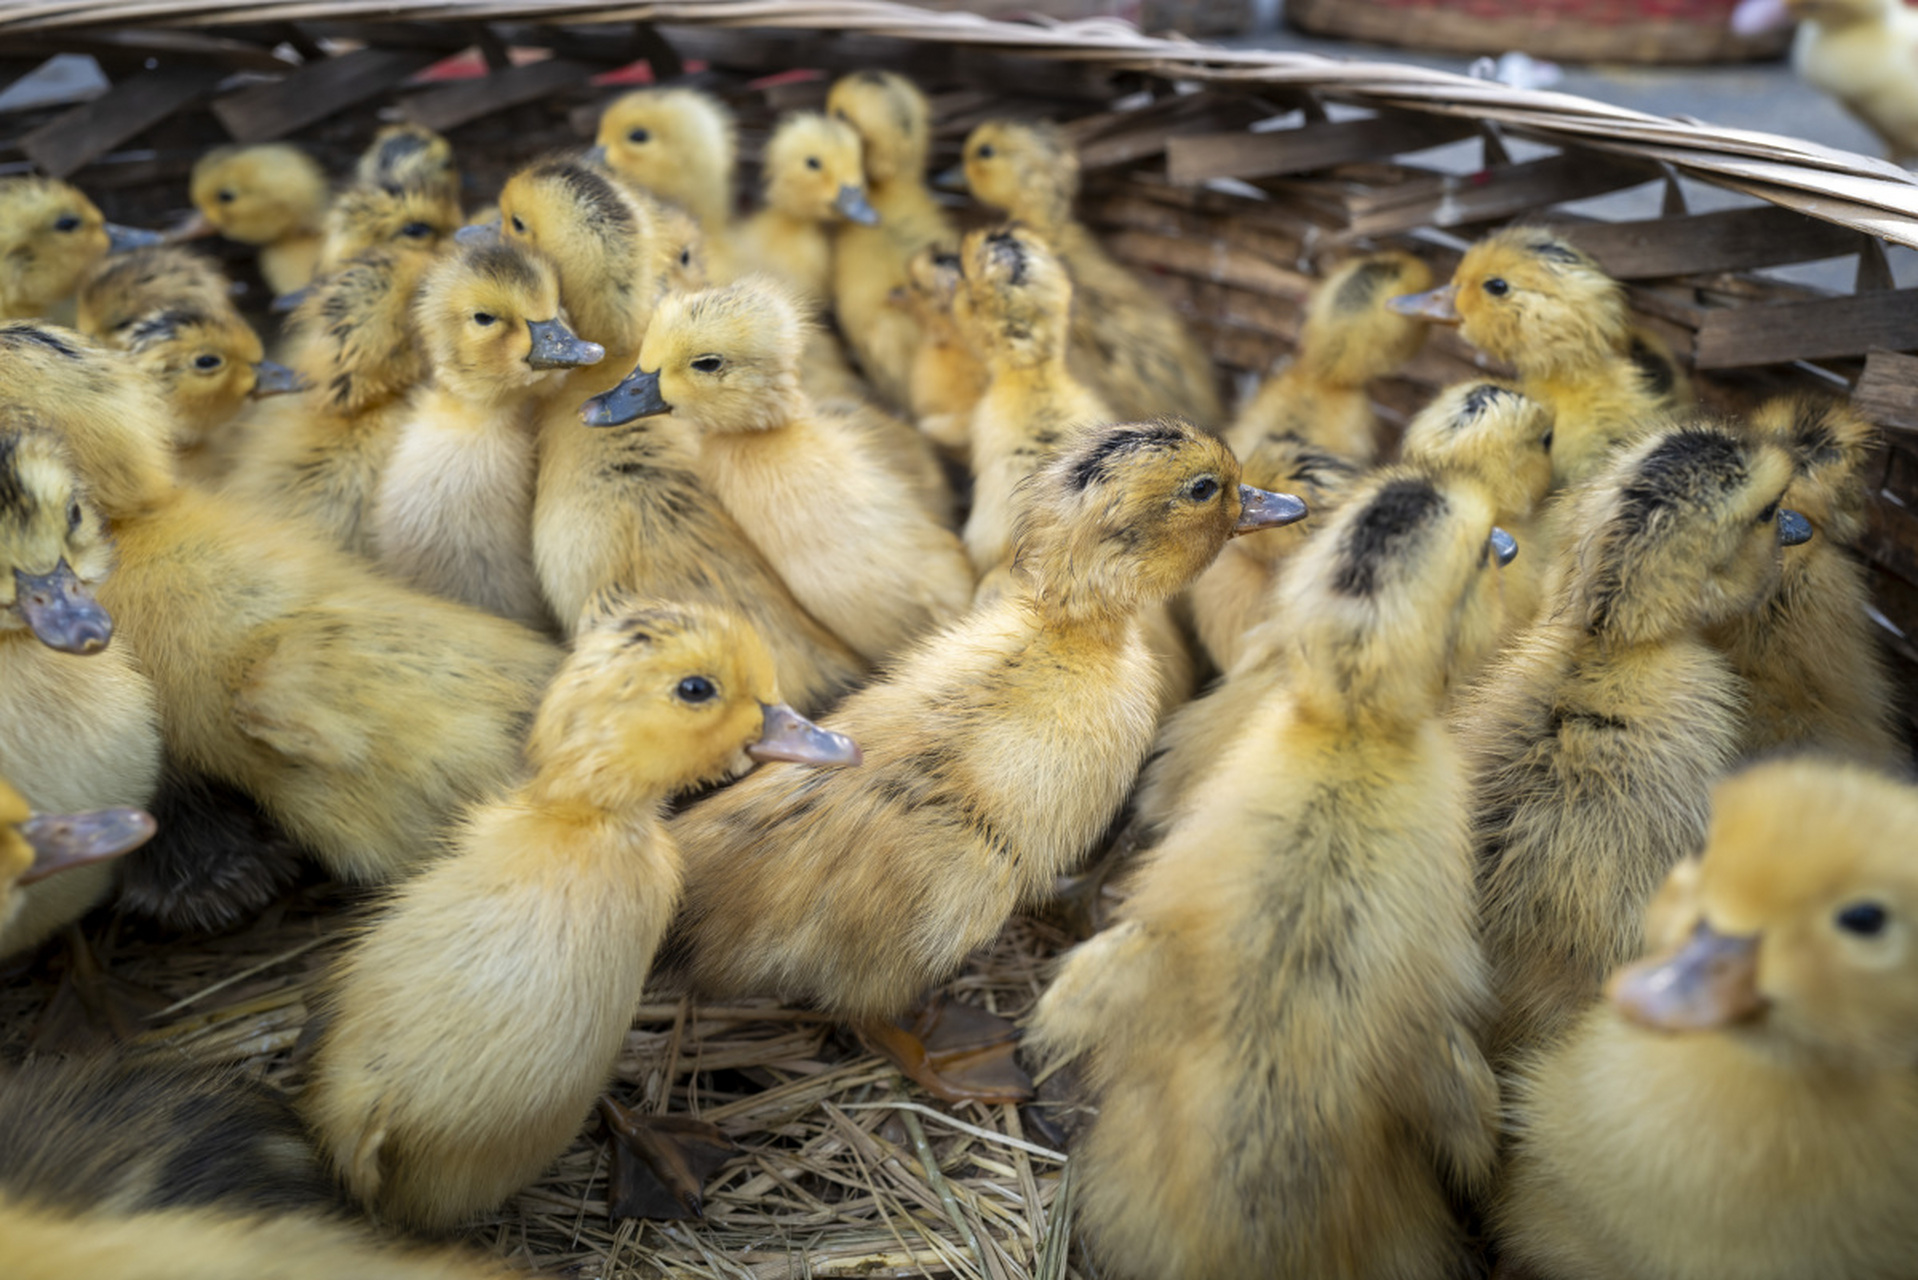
1504	546
1709	982
1437	305
557	347
62	841
61	611
1793	528
289	301
953	179
271	379
637	396
1261	510
195	226
596	156
477	233
120	239
851	205
787	735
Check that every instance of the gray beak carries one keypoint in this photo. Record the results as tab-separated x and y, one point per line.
787	735
477	233
62	841
953	179
597	156
270	379
851	205
120	239
637	396
557	347
285	302
1793	528
1504	546
1435	305
61	611
1261	510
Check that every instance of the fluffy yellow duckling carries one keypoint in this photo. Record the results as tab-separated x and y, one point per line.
1593	741
373	216
854	544
130	285
997	751
361	715
815	179
79	724
1527	296
410	155
570	881
51	236
1127	340
1745	1104
1350	336
947	378
1297	971
272	196
210	364
869	261
1808	655
455	508
679	145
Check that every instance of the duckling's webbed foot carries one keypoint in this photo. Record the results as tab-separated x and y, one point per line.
958	1053
1078	902
661	1163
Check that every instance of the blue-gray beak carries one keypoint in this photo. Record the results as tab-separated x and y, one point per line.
62	841
61	611
637	396
272	379
557	347
852	205
1504	546
289	301
786	735
1261	510
1793	528
953	179
120	239
477	233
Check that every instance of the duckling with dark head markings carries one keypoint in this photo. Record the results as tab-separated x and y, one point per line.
1592	742
210	364
130	285
947	377
415	217
410	155
51	236
1282	1033
557	895
997	750
272	196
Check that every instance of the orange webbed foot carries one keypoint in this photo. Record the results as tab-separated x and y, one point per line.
956	1052
661	1163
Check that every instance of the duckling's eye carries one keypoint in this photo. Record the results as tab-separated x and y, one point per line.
416	230
695	689
67	222
640	135
812	162
1547	442
1866	919
985	152
1496	286
224	197
483	318
685	257
709	364
839	113
1770	513
518	225
1204	489
74	516
207	361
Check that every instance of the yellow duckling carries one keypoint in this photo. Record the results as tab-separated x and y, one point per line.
1126	338
410	155
1745	1104
997	751
854	544
51	236
129	285
815	179
1350	337
455	507
1593	741
869	261
1526	296
79	724
1296	972
947	379
416	217
680	146
272	196
210	364
567	884
1808	655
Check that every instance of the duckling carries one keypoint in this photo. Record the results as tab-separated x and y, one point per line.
1859	51
79	720
130	285
272	196
34	847
360	714
853	543
1744	1104
51	236
455	506
997	751
1528	297
624	507
947	379
815	178
1350	337
1814	672
685	250
1592	742
210	364
1127	340
869	260
1296	972
410	155
679	145
416	216
570	880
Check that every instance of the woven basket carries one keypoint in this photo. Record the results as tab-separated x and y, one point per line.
1572	30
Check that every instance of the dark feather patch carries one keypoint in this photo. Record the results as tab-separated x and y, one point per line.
1693	467
1657	372
1392	518
504	263
15	502
1555	251
1360	289
592	193
396	149
22	334
1096	461
1007	248
1478	400
216	862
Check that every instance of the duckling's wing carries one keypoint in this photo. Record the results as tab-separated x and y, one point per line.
297	696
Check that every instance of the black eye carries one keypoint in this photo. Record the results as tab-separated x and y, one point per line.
1769	514
416	230
1496	286
483	317
67	222
839	114
709	364
640	135
74	516
812	162
685	257
224	197
208	361
518	225
1204	489
985	152
695	689
1547	442
1866	919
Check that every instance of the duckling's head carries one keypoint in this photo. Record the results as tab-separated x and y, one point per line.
1351	333
815	172
1684	530
260	195
1830	443
604	241
934	277
1287	463
1528	297
1014	306
50	237
489	315
721	359
208	361
130	285
1797	931
893	121
32	848
404	218
410	155
1128	514
1029	170
677	144
54	545
1492	431
658	698
358	346
682	249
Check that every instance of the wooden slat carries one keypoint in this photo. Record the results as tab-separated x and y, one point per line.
1732	338
1887	393
1457	200
67	142
1729	240
1192	160
1209	261
265	112
452	106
